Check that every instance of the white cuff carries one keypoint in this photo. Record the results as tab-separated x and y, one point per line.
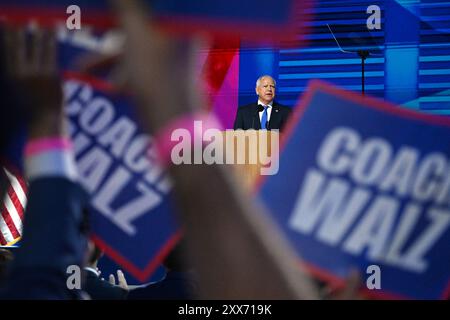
51	163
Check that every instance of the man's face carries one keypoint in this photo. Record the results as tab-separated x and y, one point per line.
266	90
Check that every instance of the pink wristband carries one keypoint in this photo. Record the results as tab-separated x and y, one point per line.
163	141
46	144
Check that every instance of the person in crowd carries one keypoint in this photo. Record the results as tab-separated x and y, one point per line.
52	240
179	282
97	287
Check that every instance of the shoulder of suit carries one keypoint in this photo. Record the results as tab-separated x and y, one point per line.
282	107
247	106
251	107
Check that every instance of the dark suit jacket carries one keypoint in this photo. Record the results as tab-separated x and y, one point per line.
99	289
174	286
247	117
52	241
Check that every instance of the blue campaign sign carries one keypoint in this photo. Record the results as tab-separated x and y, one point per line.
131	211
364	184
132	217
230	17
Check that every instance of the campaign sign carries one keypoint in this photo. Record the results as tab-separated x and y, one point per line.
230	17
131	213
364	184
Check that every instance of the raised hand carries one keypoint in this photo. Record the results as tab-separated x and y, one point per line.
31	66
121	280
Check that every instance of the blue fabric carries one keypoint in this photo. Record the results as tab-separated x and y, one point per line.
264	118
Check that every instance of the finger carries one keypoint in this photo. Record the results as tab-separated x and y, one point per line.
9	48
134	16
21	65
121	279
50	52
35	52
112	280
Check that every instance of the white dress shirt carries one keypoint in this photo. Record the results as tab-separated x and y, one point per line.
269	110
94	271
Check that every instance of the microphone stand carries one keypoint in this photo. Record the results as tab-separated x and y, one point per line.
363	54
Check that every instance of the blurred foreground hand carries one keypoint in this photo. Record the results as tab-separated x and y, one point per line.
30	55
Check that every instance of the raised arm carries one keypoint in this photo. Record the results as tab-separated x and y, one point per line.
51	235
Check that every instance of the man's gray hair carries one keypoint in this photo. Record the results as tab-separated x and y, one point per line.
258	82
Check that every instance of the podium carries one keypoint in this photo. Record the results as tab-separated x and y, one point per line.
250	151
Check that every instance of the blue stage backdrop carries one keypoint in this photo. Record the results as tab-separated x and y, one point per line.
411	65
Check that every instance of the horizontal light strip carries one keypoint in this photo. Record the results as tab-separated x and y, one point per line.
434	85
435	99
432	72
297	63
349	87
434	58
331	75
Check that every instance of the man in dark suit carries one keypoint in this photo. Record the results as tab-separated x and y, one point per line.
97	287
179	283
265	114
